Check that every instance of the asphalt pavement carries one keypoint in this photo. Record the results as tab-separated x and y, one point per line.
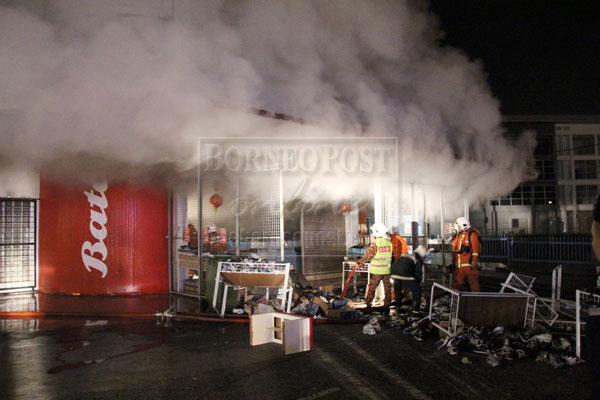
142	359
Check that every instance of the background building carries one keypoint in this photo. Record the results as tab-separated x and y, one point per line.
561	198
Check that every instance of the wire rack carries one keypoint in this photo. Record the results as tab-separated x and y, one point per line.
17	244
23	302
253	268
266	229
523	284
19	325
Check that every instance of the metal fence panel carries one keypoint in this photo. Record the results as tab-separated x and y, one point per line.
540	249
17	244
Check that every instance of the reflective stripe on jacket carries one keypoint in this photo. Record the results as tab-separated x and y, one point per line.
462	239
380	264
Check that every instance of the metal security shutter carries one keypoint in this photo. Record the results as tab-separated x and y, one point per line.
17	244
324	244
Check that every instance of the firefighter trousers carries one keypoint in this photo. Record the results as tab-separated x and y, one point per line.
374	283
468	274
402	285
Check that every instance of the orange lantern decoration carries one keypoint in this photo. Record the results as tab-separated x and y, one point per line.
345	208
216	201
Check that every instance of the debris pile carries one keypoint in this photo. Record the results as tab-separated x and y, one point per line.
501	345
325	304
415	324
441	308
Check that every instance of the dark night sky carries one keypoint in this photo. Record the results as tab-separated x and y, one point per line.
541	57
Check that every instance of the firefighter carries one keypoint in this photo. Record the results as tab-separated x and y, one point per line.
379	254
465	252
399	246
407	273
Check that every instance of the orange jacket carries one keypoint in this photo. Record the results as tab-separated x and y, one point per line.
471	249
399	245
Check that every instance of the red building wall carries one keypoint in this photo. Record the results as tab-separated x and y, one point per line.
102	239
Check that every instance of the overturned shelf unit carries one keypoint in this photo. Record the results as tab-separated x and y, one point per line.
249	274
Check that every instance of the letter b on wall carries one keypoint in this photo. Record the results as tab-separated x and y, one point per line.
133	239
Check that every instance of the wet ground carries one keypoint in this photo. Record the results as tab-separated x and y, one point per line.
125	358
140	359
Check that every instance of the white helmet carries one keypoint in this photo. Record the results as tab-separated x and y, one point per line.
421	251
379	230
462	224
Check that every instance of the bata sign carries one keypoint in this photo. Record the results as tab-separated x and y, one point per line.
94	255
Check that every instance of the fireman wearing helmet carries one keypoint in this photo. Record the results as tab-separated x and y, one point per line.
379	254
465	251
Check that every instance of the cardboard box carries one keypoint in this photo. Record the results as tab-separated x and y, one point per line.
326	288
187	260
322	302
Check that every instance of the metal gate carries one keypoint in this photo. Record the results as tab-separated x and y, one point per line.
17	244
573	250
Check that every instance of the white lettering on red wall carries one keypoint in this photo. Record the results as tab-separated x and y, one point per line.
94	255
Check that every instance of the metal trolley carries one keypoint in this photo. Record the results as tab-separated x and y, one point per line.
348	266
459	304
251	274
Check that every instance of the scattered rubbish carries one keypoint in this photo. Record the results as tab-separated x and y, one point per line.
465	360
503	345
493	360
543	338
338	303
306	307
556	361
372	327
238	311
344	314
571	360
565	344
418	329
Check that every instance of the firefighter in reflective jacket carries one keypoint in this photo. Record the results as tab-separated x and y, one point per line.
379	254
465	252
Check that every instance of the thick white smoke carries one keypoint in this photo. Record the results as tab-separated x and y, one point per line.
119	86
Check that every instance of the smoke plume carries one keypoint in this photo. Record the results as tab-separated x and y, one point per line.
122	88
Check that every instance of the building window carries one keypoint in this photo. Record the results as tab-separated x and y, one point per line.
545	146
516	197
544	194
526	195
585	169
586	194
545	169
563	144
566	195
583	144
564	169
514	223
